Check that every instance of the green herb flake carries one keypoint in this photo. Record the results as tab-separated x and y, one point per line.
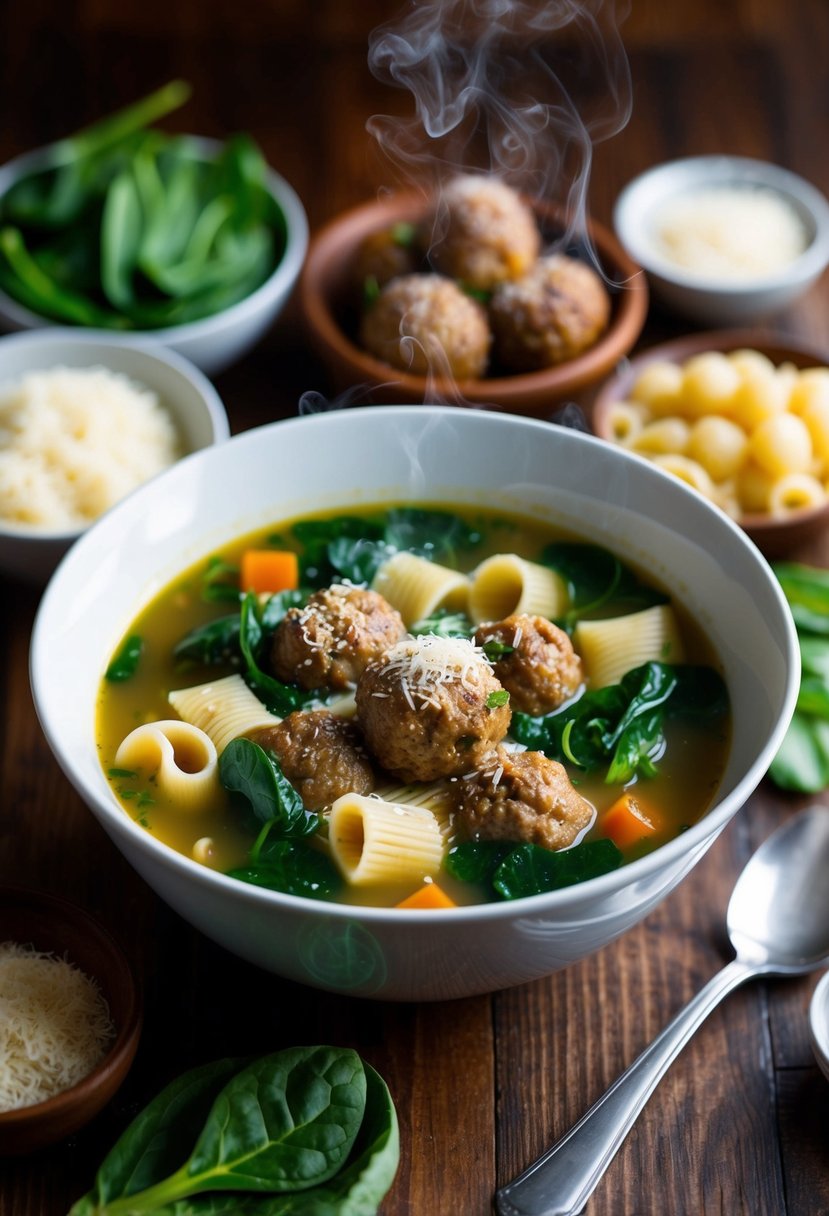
498	698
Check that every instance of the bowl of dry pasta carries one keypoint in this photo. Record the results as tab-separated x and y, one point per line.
741	416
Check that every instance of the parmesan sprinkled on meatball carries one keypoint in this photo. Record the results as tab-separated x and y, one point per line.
551	315
525	797
329	641
423	323
533	659
430	707
485	233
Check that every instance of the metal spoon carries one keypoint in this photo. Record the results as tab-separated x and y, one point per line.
778	923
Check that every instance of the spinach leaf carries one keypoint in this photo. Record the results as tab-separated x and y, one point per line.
283	1124
216	642
621	725
595	578
281	699
802	760
357	1190
430	533
291	866
357	561
316	536
531	870
513	870
247	769
156	1142
125	663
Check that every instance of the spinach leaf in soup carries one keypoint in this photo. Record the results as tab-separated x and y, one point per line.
248	770
291	866
597	580
125	664
515	870
280	698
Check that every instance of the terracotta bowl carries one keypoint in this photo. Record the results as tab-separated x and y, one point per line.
775	536
53	925
324	291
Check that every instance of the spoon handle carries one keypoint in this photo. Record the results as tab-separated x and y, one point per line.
561	1181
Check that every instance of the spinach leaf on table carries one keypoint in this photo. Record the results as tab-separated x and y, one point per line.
308	1130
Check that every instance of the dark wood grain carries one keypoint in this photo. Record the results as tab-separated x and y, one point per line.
738	1126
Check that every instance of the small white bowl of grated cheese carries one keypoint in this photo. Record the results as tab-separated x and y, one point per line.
725	240
84	420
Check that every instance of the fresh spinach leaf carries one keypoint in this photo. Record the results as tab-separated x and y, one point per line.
247	769
291	866
281	699
595	579
216	642
160	1137
430	533
476	861
125	663
445	624
802	760
531	870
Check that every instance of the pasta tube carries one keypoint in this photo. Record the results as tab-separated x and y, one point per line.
435	796
182	757
612	647
417	588
373	841
223	709
505	584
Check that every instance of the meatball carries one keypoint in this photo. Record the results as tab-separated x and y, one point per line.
533	659
321	755
385	255
423	323
522	796
550	315
485	234
329	641
430	707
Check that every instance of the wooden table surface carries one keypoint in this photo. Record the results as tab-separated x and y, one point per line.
482	1086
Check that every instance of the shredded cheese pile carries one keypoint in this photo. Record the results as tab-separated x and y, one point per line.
734	233
54	1025
422	664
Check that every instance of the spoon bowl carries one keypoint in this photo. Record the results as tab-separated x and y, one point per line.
778	923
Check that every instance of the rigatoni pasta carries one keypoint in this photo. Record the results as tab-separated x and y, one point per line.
610	648
374	841
506	583
418	588
224	709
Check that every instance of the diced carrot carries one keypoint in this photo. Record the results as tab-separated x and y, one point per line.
269	570
429	895
629	820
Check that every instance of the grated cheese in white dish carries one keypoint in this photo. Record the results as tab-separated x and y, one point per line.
733	233
74	441
55	1025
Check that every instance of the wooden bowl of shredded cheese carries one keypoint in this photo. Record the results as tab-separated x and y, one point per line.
70	1019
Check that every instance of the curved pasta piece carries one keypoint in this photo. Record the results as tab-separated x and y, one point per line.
373	841
687	470
624	420
435	796
417	588
795	492
224	709
612	647
182	757
507	583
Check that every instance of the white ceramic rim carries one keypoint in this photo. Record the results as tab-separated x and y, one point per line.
819	1023
698	835
639	197
148	349
296	246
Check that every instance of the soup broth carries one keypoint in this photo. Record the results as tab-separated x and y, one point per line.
677	749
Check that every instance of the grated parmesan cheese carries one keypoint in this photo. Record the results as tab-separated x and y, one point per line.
73	441
423	663
729	232
54	1025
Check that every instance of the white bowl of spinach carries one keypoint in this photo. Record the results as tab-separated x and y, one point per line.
126	228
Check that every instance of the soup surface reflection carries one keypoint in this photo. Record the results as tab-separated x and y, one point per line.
419	706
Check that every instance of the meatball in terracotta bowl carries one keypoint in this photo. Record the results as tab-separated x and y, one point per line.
444	723
473	296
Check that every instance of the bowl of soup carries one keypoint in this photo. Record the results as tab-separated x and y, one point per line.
421	726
